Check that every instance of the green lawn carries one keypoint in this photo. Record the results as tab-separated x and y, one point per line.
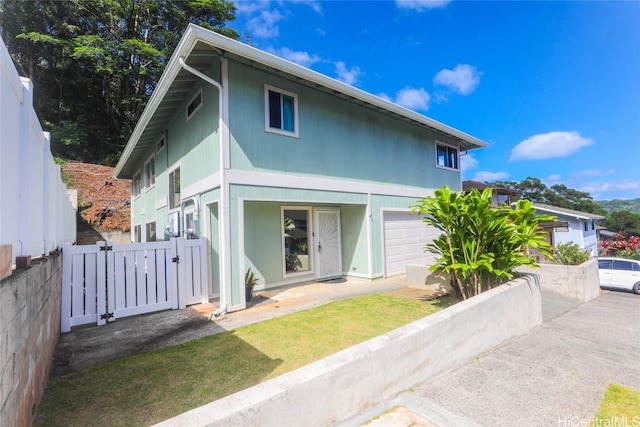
619	403
151	387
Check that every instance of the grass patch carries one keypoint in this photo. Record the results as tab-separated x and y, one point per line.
619	403
151	387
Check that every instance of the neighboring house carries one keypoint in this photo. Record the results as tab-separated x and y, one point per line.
572	226
605	235
286	171
499	195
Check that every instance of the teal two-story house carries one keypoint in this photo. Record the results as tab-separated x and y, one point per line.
284	170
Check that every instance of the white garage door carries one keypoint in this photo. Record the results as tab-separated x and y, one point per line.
404	238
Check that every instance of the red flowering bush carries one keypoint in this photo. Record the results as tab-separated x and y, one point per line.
621	247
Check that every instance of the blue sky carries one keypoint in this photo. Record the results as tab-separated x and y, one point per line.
552	87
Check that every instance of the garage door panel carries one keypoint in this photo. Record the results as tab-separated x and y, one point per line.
404	241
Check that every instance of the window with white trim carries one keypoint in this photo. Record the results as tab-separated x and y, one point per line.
296	226
136	185
174	189
281	111
151	231
195	104
446	156
137	233
160	144
150	173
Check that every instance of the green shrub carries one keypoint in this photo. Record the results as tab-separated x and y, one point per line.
571	254
480	246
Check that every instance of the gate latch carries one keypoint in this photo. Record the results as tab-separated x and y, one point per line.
107	316
106	248
176	259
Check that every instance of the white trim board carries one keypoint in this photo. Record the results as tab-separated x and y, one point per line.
267	179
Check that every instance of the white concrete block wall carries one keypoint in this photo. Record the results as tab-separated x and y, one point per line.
36	215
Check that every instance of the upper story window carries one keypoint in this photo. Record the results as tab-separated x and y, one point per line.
160	144
136	185
195	104
150	173
174	189
281	111
446	156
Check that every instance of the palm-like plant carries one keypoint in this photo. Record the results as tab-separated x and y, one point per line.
480	246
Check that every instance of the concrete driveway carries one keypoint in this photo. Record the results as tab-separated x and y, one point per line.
555	375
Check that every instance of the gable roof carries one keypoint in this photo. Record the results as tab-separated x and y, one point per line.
566	212
197	47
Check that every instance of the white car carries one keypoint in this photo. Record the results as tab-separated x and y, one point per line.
619	273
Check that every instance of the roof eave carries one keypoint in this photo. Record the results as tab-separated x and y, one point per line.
194	33
186	44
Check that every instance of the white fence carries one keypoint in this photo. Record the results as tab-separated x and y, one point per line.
36	215
107	281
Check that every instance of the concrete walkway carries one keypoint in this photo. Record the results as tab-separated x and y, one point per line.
555	375
90	345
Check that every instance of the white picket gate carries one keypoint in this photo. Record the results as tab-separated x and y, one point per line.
107	281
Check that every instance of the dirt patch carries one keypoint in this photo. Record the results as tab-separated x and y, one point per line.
104	202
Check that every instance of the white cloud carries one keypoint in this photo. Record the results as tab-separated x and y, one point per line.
604	190
549	145
485	176
414	99
315	5
468	162
265	24
249	7
296	56
421	5
347	75
463	79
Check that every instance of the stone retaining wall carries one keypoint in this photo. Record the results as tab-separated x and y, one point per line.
29	331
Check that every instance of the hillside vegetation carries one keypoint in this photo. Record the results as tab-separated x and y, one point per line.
630	205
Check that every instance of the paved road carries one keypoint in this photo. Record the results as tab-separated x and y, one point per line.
553	376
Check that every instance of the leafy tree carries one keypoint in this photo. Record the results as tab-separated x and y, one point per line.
557	195
94	63
480	246
624	222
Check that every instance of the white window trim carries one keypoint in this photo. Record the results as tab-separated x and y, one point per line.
193	113
163	138
138	176
267	128
310	243
146	185
457	155
169	172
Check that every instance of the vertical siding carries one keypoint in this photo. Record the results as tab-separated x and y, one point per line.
355	246
263	240
193	144
337	138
